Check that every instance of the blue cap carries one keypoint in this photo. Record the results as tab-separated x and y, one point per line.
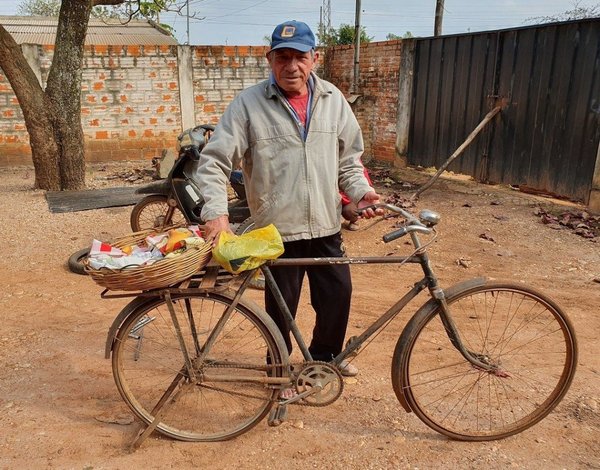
293	35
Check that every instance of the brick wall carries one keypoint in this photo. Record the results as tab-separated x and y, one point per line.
377	106
130	101
220	73
14	141
131	97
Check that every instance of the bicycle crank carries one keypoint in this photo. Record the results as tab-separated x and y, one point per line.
319	383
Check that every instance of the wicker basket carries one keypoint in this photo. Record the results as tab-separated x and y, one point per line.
162	273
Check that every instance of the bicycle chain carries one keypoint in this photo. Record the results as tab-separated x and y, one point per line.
301	365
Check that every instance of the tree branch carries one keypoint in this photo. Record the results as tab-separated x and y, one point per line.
107	2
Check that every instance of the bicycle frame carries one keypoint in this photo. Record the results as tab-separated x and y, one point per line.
429	281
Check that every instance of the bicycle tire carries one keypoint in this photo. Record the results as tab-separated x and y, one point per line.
245	226
153	212
522	331
147	359
75	261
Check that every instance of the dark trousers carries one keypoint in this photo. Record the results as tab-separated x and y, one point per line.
330	294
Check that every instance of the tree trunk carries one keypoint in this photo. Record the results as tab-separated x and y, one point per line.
64	90
53	117
37	112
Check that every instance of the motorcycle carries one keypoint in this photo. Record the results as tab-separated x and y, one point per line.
176	200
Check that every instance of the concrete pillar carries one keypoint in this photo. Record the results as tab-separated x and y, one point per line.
594	202
186	86
405	88
32	55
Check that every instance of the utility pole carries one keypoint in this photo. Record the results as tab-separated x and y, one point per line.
439	14
187	17
356	48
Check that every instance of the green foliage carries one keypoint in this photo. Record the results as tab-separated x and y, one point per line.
392	36
39	8
343	35
127	10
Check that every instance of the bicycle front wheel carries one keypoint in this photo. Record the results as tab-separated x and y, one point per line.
154	212
525	338
232	387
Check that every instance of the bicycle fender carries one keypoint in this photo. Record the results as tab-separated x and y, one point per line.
225	292
118	321
423	311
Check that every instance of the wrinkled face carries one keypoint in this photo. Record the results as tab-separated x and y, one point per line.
292	68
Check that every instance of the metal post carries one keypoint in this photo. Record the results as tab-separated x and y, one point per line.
356	48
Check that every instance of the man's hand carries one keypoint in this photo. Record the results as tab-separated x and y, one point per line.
214	227
369	199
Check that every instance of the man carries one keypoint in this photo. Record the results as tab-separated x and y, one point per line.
298	143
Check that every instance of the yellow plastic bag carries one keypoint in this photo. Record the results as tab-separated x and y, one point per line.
248	251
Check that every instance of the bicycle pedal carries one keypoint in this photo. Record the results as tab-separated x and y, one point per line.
277	415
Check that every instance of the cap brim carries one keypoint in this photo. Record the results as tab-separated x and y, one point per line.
293	45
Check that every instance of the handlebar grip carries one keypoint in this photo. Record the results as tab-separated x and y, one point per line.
362	209
388	237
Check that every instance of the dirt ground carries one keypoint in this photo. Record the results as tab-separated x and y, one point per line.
59	406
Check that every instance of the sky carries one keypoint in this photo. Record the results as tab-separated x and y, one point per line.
248	22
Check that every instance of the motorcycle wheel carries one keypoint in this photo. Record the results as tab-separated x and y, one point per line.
154	212
75	261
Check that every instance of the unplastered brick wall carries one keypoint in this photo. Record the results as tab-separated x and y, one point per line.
376	106
129	104
131	97
14	141
220	73
130	101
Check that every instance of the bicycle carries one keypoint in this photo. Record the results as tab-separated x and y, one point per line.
478	361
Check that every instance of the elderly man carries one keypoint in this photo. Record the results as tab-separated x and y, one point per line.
298	143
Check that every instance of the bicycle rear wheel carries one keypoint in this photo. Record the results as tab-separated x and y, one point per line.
525	335
227	397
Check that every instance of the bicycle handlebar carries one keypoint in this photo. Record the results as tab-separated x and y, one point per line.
388	237
398	210
414	224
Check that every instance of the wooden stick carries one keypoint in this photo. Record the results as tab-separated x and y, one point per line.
488	117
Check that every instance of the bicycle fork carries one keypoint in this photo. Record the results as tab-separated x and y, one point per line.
479	361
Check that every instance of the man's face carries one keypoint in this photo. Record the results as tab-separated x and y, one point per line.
292	68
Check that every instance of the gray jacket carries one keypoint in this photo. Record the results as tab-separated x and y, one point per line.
289	182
